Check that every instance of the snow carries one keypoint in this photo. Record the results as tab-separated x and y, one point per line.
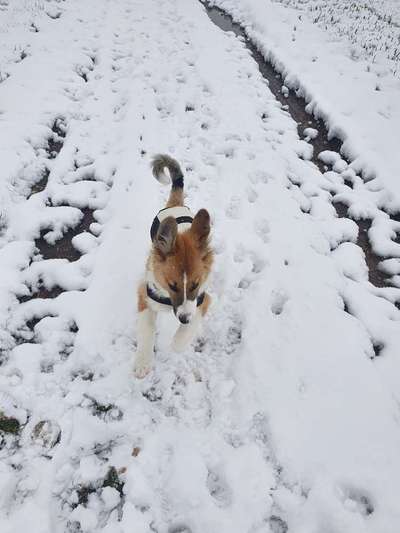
371	28
356	94
284	415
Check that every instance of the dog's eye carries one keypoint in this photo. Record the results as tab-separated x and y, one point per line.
173	287
194	286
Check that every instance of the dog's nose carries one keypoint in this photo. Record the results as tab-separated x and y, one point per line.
184	318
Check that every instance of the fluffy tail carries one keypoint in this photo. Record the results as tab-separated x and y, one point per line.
159	164
162	161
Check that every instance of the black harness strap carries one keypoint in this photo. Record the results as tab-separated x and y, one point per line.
167	301
184	220
156	224
157	298
200	299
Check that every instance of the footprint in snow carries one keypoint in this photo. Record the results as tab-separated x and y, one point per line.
207	91
179	528
245	283
233	209
257	267
233	338
252	195
259	176
356	501
277	525
229	152
278	301
262	229
219	489
152	394
259	430
240	254
258	264
200	344
46	433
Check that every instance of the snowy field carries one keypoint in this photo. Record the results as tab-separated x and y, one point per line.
372	27
355	92
284	417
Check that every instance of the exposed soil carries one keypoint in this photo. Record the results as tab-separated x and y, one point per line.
63	248
53	148
56	141
42	293
40	185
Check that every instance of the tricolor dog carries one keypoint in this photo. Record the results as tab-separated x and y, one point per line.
177	268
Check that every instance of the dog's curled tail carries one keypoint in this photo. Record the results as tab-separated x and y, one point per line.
162	161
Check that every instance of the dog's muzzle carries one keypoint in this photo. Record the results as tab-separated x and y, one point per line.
186	311
184	318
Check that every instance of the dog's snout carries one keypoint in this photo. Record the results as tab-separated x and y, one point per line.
186	312
184	318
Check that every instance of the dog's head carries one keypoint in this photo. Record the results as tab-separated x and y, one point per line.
182	262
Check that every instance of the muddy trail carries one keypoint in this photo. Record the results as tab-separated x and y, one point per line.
296	108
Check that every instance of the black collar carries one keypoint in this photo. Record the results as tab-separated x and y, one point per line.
167	301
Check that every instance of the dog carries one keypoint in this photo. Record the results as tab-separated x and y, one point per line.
177	269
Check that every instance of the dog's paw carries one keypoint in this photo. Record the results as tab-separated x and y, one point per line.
143	366
182	339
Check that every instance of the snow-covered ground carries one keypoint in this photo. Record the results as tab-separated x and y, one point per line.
354	91
284	417
372	27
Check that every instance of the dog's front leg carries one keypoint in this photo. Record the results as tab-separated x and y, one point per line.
186	333
146	325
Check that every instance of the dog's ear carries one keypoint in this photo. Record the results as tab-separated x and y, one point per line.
201	227
166	236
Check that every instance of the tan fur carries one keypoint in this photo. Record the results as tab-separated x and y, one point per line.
191	258
175	198
206	304
142	297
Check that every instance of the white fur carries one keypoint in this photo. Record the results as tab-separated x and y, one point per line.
186	333
151	280
146	324
187	308
164	178
146	327
177	211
